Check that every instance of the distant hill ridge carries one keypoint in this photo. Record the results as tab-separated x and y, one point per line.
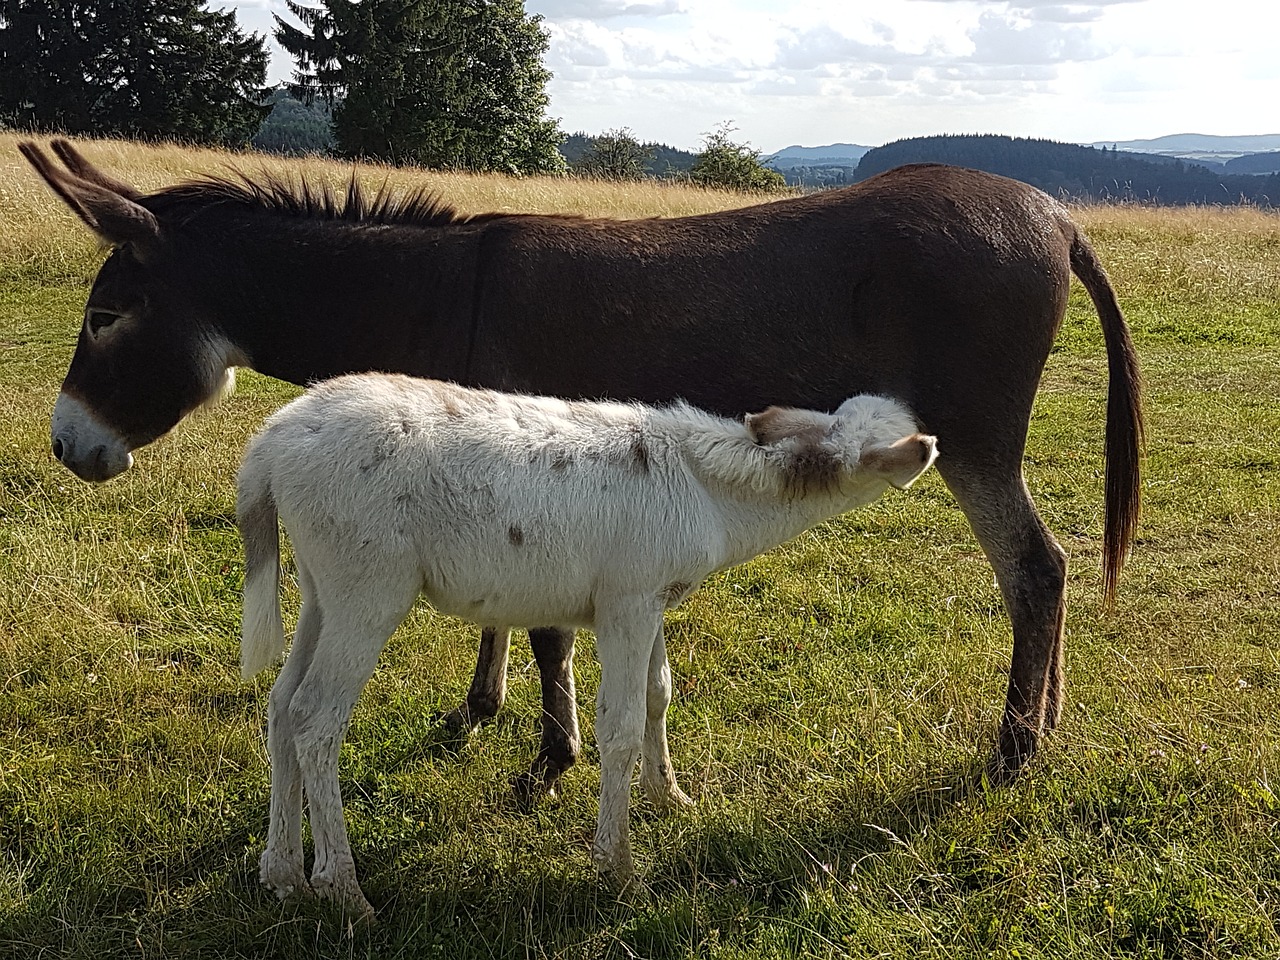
1080	172
851	152
1179	143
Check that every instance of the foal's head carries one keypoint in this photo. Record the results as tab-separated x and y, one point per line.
868	443
146	355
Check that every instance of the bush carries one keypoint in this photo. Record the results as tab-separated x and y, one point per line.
733	166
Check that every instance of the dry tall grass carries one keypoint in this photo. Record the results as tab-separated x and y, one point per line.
42	238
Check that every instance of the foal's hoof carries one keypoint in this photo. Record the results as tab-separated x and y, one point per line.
282	877
347	896
669	800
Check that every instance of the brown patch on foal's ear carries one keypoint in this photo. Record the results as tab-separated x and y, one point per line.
779	423
114	217
902	461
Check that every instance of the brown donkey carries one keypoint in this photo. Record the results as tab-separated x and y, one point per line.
939	286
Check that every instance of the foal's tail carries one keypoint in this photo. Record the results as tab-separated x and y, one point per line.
1124	416
262	639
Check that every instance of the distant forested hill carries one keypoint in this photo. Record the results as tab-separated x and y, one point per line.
666	160
1255	163
294	127
1084	173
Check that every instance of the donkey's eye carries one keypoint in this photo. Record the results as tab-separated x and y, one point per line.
99	320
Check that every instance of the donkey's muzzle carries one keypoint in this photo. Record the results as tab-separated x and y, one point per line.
82	444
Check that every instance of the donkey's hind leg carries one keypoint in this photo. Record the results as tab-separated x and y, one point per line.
281	865
488	685
1031	569
359	616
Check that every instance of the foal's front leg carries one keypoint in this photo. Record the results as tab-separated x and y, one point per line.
624	643
656	774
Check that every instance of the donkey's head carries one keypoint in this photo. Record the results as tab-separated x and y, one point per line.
144	358
869	443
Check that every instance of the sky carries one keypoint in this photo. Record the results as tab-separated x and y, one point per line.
814	72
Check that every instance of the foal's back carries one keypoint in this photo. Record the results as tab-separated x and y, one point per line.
515	509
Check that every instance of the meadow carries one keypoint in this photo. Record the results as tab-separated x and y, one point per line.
835	699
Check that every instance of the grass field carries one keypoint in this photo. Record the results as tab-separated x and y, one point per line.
834	697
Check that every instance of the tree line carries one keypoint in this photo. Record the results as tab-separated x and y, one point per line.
457	84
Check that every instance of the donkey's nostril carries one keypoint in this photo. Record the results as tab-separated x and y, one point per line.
57	450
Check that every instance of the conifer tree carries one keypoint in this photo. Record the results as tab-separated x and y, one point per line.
150	68
442	83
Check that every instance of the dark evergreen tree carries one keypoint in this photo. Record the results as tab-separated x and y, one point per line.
458	84
149	68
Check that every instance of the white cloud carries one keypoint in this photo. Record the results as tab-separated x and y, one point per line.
604	9
818	71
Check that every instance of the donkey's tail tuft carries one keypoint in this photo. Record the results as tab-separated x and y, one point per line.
262	637
1124	417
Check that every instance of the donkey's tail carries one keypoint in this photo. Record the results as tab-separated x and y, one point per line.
262	639
1124	417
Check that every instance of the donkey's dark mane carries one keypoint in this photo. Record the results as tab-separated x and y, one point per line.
303	199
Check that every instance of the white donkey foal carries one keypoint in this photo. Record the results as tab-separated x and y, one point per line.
509	510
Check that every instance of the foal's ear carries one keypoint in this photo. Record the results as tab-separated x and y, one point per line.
113	216
780	423
901	462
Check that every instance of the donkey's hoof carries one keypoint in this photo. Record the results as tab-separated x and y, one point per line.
459	722
1015	748
529	788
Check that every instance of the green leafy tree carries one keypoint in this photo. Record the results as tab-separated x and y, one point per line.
458	84
615	155
147	68
729	165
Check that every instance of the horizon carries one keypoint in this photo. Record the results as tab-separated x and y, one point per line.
787	73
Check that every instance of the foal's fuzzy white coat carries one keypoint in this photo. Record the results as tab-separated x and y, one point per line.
512	510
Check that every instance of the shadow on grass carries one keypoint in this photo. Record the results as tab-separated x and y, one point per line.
730	875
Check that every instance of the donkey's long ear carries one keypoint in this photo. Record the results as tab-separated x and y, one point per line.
79	165
114	217
901	462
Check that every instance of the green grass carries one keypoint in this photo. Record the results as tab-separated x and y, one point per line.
834	700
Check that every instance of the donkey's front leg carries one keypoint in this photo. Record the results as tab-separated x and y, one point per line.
624	641
488	684
561	741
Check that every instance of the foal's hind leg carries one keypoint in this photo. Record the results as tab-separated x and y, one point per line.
488	685
358	619
1031	569
281	865
561	741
